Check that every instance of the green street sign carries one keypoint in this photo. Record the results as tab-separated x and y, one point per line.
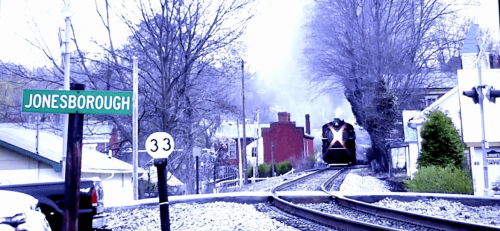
83	102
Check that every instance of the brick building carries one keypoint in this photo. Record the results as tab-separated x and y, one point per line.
288	141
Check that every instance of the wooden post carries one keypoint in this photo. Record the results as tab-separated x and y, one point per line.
73	168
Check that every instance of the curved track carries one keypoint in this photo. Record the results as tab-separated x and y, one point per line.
363	204
326	219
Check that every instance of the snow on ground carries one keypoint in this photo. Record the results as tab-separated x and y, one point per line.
209	216
356	183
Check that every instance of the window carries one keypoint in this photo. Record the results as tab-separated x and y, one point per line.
429	100
254	152
232	151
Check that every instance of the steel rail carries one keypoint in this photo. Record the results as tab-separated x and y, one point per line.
317	216
415	218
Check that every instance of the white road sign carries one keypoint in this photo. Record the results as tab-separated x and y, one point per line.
160	145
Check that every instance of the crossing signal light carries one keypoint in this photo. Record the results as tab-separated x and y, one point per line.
472	94
491	94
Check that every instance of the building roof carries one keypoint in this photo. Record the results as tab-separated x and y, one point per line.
23	141
421	117
153	178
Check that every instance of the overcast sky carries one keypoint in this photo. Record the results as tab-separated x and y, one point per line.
275	39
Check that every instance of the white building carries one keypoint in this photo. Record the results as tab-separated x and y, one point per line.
466	117
25	159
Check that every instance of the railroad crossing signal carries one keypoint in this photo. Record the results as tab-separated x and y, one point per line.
491	94
473	94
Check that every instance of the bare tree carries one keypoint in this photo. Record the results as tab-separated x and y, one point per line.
380	53
189	54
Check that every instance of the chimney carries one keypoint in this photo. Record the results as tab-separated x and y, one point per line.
308	125
283	117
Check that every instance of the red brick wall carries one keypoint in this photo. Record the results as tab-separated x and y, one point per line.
288	142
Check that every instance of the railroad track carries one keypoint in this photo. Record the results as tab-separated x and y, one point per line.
326	219
356	212
414	218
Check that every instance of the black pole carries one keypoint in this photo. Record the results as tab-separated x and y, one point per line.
73	167
197	177
272	159
161	166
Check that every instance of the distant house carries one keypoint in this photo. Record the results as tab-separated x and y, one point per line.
25	158
283	140
229	130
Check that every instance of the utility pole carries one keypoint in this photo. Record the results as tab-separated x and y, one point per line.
244	143
135	126
67	13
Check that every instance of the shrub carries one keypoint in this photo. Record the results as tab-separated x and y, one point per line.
250	172
435	179
441	145
264	170
283	167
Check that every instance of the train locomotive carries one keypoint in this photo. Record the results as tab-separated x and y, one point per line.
339	142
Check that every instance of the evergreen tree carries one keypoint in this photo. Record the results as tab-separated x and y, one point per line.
441	145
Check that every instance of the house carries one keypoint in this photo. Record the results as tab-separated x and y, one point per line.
229	135
414	120
283	140
101	136
466	117
25	158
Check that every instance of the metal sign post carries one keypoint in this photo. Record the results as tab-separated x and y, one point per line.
197	154
160	145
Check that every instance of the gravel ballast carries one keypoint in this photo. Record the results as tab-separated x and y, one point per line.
356	183
209	216
487	215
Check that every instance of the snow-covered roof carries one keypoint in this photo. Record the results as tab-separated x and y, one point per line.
153	178
230	130
50	148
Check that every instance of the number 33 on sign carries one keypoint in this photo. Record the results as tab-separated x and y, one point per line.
160	145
